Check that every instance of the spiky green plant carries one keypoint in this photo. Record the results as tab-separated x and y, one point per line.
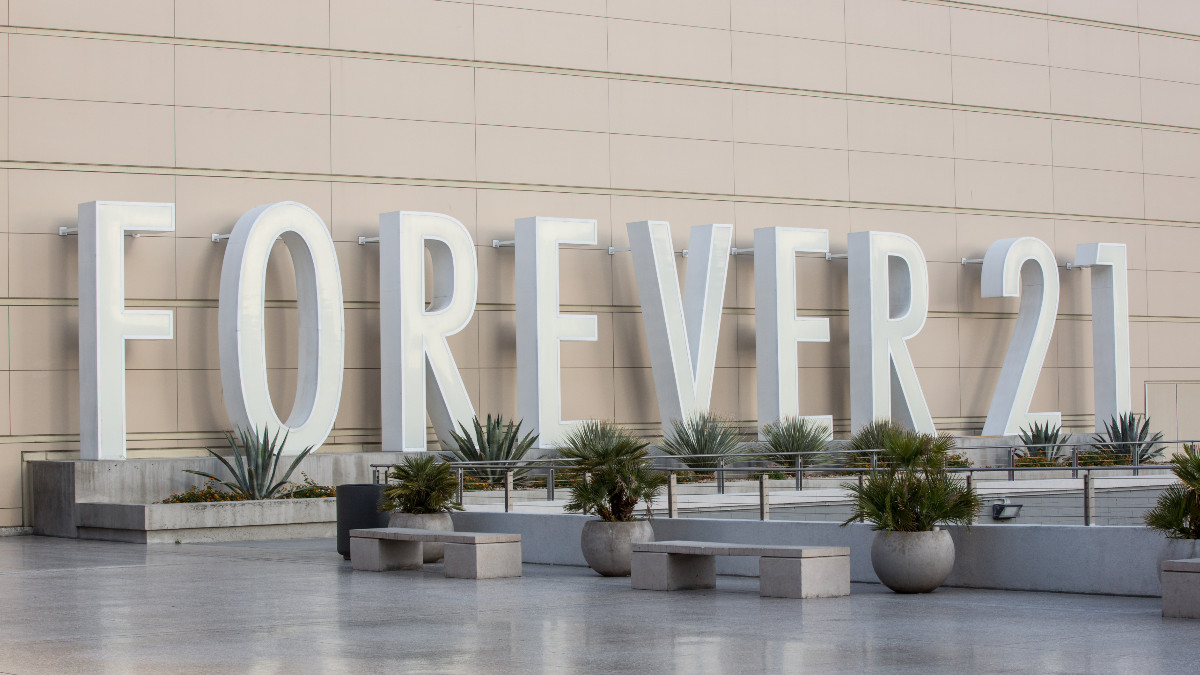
796	434
703	434
1177	512
617	468
1124	437
422	485
871	436
255	460
494	441
913	492
1042	441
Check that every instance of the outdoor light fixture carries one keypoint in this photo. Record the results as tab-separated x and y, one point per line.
1005	511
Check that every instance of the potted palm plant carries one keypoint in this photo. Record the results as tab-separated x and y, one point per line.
907	500
422	497
1177	512
616	477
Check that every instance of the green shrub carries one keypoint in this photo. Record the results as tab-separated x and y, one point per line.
1177	512
618	465
1043	445
306	489
423	485
255	461
703	434
209	492
493	441
796	434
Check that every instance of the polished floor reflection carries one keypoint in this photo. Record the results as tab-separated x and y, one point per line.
265	607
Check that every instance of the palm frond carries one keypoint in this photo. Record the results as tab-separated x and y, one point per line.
423	485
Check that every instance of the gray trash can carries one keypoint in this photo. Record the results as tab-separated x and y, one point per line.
357	508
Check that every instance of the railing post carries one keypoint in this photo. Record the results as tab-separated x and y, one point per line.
874	460
721	476
1134	453
459	475
764	503
550	486
970	480
1012	462
1089	498
508	475
799	473
1074	462
672	504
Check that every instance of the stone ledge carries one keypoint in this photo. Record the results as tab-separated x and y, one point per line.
209	521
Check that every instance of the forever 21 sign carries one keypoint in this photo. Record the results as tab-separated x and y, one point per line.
888	293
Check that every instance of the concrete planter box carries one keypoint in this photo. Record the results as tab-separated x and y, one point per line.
206	522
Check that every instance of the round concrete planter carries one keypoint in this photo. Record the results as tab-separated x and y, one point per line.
432	552
1176	549
608	547
912	562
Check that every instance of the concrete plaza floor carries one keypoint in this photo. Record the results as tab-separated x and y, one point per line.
70	606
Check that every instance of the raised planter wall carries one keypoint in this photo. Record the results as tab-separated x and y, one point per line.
207	522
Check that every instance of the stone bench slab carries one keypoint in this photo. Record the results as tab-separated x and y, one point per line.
1190	565
411	534
722	548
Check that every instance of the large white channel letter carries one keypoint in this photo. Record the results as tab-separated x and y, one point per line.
777	329
681	330
1025	267
889	299
540	324
1110	327
105	324
418	370
241	324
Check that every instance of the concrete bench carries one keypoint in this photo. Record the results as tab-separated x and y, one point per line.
1181	589
783	571
469	555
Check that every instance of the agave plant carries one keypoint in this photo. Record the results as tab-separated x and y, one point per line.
255	461
422	485
1042	442
1177	512
1124	436
617	469
494	442
791	435
703	434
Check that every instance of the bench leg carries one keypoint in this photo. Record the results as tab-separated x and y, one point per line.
381	555
483	561
827	577
1181	595
672	571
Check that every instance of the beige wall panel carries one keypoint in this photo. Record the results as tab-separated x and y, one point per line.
670	50
983	343
46	338
998	84
904	25
376	88
588	393
541	156
745	341
636	402
281	275
499	209
1026	5
240	139
1074	343
1168	58
585	276
994	185
545	38
1003	37
1002	138
900	129
496	264
832	354
5	325
282	82
940	386
208	204
1172	198
630	349
1114	11
779	171
359	266
1097	146
382	147
819	19
1171	103
422	27
498	392
944	280
526	99
820	283
597	354
936	233
901	179
4	264
1171	248
823	391
116	133
281	338
142	17
1070	233
673	164
196	338
1139	343
798	63
1077	92
783	119
356	207
593	7
898	73
43	201
281	382
1162	408
1076	391
702	13
1102	50
201	406
150	267
1173	345
359	407
1098	193
95	70
653	109
1171	15
752	215
287	22
498	338
977	385
48	404
1170	153
682	214
198	269
42	266
151	401
1173	293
